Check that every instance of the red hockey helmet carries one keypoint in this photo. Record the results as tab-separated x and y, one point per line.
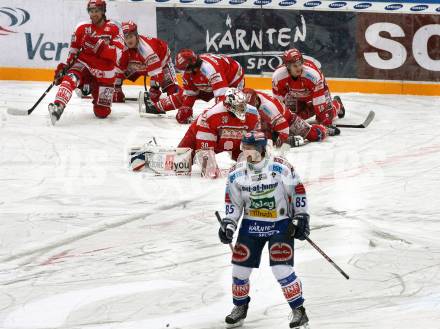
98	4
185	58
129	27
251	96
292	56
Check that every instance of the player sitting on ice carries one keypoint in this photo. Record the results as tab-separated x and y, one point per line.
270	197
221	127
145	56
92	58
301	86
280	124
205	77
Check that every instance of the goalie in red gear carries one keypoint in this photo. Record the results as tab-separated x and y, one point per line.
301	86
92	58
279	123
222	126
205	77
145	56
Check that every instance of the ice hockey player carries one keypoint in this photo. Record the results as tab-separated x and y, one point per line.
268	194
222	126
205	77
280	124
301	86
94	49
145	56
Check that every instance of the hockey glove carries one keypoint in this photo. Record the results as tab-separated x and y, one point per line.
184	114
59	73
301	224
227	230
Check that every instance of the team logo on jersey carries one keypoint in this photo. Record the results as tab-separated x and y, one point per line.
225	119
241	253
11	17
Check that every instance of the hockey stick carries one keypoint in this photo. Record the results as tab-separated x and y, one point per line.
327	258
14	111
365	124
219	219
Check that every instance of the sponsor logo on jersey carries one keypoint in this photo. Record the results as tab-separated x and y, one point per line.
241	253
231	133
311	4
256	178
262	213
292	291
263	203
362	5
287	3
16	17
419	8
338	4
280	252
260	189
394	6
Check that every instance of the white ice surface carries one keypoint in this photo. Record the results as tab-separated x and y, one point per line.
85	243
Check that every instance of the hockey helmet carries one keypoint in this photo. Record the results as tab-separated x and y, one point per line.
251	96
129	27
98	4
292	56
185	59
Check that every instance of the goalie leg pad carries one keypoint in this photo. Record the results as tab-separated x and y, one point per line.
299	127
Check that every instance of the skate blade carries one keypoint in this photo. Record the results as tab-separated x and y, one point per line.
235	325
304	326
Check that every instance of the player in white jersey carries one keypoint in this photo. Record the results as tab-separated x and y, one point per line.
269	195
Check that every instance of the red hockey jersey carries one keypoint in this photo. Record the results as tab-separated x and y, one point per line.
220	129
102	66
216	75
149	58
310	86
274	116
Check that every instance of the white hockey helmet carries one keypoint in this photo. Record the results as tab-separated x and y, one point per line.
235	102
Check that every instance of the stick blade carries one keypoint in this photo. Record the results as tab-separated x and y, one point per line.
369	118
15	111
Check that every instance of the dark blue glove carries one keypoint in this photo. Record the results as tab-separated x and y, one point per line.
302	228
227	230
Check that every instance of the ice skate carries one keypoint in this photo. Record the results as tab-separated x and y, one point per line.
237	316
299	319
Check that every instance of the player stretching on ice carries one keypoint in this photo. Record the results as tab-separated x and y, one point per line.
205	77
222	126
145	57
301	86
280	124
272	200
92	58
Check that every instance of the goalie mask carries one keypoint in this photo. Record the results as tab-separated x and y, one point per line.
235	102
